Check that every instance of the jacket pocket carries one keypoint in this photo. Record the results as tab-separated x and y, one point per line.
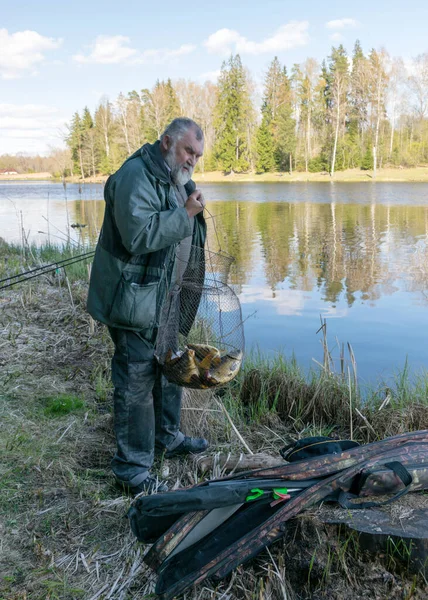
134	305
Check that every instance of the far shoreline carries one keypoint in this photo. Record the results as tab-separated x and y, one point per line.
388	175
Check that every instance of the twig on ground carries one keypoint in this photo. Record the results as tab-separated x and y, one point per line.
63	434
228	417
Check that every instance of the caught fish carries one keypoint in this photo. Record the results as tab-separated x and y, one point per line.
227	369
171	358
204	350
182	369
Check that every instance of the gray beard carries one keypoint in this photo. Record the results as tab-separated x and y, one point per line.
178	176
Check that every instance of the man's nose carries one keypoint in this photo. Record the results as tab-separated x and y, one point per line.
192	161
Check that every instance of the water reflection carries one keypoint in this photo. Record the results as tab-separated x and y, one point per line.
361	252
355	254
352	251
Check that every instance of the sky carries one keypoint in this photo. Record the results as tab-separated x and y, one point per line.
58	57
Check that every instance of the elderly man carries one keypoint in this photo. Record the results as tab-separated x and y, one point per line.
153	212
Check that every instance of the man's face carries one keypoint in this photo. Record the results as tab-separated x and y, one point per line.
182	155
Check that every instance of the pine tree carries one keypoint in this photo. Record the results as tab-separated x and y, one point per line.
173	108
89	151
285	125
265	148
367	160
75	143
232	114
277	102
105	127
285	138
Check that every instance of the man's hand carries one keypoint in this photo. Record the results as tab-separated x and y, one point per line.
195	203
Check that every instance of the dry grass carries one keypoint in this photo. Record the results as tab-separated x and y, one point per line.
63	532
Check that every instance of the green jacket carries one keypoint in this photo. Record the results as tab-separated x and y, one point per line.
134	257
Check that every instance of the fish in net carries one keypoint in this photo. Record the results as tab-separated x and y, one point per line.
200	342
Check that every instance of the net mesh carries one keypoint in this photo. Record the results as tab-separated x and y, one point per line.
200	341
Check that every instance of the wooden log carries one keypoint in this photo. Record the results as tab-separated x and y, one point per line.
238	462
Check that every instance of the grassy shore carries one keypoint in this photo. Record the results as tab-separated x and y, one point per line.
417	174
410	175
63	535
26	176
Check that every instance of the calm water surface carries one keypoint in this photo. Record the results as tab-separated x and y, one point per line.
356	254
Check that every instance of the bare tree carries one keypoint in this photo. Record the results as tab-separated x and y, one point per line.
135	121
160	106
418	83
62	159
122	109
379	81
306	77
395	84
338	81
104	123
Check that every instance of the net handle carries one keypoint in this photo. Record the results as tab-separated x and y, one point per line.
215	230
212	217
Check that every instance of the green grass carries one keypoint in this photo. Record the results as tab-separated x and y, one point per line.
64	404
324	402
15	259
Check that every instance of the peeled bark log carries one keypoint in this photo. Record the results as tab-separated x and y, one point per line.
238	462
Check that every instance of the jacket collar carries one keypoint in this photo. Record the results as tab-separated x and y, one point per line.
152	156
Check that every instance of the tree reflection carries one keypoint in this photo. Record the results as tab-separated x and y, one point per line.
359	251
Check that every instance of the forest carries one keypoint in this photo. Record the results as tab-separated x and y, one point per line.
365	111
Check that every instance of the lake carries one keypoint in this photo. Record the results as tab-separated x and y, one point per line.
354	254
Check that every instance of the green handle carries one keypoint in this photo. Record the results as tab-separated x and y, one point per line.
277	492
255	493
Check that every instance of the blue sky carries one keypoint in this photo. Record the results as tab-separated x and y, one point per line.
57	57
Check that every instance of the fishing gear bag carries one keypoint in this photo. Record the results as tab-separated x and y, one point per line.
209	529
200	341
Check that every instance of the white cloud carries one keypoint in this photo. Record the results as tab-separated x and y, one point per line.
29	127
226	41
115	49
22	51
107	50
285	302
341	23
337	37
164	54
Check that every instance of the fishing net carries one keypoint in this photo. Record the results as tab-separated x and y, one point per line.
200	341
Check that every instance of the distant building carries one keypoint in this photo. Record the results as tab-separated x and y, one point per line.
8	172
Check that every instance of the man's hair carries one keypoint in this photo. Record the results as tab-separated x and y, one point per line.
178	127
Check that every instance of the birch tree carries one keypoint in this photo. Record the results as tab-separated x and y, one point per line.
337	78
104	122
379	81
122	104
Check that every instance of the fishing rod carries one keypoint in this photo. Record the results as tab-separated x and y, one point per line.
21	277
58	262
